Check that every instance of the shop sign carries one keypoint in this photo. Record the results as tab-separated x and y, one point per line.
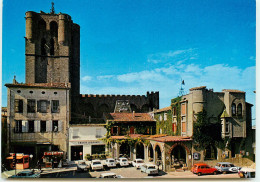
87	142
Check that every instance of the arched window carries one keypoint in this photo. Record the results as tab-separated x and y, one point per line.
43	48
54	28
233	109
51	47
239	109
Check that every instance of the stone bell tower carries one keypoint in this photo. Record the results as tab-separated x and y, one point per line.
52	49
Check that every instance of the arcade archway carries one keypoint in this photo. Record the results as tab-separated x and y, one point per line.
124	150
140	150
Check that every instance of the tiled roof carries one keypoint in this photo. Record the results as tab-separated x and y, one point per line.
40	85
197	88
163	109
171	139
233	90
134	117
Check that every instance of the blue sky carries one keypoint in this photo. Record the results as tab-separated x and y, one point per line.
134	46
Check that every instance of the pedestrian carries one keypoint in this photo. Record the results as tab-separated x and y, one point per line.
39	165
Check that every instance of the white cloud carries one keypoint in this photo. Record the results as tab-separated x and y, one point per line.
176	55
86	78
104	77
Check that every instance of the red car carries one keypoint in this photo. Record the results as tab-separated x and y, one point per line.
202	168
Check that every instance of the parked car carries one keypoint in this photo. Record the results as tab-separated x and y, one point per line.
96	165
110	175
26	174
138	163
246	173
149	169
226	167
110	162
122	162
82	166
65	163
202	168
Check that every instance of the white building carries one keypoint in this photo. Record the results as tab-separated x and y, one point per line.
85	139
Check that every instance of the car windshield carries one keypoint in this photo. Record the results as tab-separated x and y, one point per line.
124	160
96	162
111	161
110	176
82	163
151	167
141	161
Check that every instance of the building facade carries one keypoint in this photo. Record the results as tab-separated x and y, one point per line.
227	112
38	118
85	139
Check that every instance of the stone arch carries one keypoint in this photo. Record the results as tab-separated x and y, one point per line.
103	108
124	150
186	148
211	152
145	108
54	28
157	152
139	146
178	156
150	152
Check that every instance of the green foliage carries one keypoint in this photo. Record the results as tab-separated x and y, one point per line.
204	132
176	103
88	157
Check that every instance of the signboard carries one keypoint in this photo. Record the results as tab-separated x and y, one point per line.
196	156
91	142
122	106
53	153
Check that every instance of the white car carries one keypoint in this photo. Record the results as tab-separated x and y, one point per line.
138	163
110	162
82	166
149	169
123	161
110	175
96	165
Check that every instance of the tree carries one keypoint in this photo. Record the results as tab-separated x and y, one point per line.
204	132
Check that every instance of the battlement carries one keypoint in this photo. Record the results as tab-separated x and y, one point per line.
114	96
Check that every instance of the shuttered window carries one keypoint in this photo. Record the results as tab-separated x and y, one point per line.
31	106
55	108
18	126
31	126
18	105
174	127
43	126
183	109
183	128
55	126
42	106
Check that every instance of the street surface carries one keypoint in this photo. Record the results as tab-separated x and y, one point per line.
132	172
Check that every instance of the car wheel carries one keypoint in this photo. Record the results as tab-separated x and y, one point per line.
199	174
215	172
224	172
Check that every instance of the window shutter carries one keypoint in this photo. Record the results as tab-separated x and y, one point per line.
60	125
118	130
58	106
48	126
35	126
38	106
38	126
48	106
24	126
111	132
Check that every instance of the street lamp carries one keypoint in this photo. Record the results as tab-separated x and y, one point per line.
31	156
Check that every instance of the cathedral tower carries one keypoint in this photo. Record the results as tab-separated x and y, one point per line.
52	49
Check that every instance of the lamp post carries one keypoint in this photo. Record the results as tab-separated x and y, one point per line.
31	156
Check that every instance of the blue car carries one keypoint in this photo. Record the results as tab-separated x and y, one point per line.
26	174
